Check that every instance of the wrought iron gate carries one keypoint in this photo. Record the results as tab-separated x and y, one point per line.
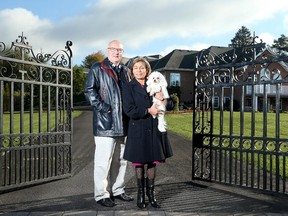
35	115
240	130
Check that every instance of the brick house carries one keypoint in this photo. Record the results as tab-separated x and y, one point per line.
273	72
179	68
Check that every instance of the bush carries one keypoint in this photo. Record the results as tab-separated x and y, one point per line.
175	99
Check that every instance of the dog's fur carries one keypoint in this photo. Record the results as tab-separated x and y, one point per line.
156	83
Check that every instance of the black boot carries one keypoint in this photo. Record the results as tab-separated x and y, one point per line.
141	194
151	193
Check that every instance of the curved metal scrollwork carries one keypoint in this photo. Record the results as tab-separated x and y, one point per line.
20	57
232	142
62	58
233	63
36	91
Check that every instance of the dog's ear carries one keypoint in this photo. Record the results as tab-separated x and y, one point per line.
163	81
148	82
148	89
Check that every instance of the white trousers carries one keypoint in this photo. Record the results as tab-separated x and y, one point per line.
109	166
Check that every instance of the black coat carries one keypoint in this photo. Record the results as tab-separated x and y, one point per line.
103	91
144	140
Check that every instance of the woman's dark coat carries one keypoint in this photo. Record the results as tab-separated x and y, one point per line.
144	140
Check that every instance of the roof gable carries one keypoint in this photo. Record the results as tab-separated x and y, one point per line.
171	60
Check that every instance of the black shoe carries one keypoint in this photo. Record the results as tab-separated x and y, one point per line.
124	197
106	202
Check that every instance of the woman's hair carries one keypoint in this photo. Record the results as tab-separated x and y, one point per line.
141	59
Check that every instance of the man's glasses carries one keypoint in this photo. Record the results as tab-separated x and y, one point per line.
116	49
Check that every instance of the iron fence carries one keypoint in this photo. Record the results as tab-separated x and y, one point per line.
240	134
35	114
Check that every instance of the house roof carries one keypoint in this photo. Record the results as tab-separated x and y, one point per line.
214	55
171	60
125	60
189	61
268	52
226	55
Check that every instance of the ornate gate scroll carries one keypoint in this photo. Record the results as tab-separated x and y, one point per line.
240	130
35	115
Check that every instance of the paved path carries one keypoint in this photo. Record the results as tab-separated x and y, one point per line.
174	189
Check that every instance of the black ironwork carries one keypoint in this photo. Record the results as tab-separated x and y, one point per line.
35	114
239	95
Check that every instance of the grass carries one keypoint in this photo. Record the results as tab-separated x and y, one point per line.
182	125
36	122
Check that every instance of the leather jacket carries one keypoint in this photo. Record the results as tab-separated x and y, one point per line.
103	91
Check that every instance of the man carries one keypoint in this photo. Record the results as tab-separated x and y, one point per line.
103	91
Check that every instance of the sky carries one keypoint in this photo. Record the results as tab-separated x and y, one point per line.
145	27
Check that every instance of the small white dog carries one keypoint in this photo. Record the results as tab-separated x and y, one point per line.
156	83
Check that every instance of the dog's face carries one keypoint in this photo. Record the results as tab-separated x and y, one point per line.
156	78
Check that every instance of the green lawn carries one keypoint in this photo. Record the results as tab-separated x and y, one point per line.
182	124
36	121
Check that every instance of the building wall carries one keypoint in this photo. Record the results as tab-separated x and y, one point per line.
186	84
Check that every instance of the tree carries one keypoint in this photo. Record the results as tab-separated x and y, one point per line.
242	38
6	98
79	78
92	58
281	44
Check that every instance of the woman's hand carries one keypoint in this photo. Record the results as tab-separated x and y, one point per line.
153	110
159	96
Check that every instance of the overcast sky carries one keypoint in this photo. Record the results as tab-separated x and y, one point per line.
146	27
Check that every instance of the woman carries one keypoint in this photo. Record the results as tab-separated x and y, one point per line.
144	146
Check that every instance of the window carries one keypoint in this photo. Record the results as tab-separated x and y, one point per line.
249	102
265	75
226	99
222	78
249	87
225	79
175	79
277	76
226	103
216	102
